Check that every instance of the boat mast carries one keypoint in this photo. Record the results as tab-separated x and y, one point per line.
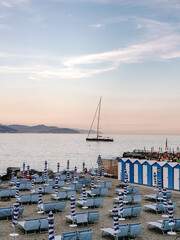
93	120
98	117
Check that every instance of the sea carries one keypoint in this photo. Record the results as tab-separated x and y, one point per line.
34	149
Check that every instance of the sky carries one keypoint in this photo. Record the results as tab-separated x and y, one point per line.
57	57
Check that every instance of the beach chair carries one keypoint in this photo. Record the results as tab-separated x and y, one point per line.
108	184
135	189
72	186
37	189
127	212
30	225
23	180
158	207
22	187
25	198
48	206
5	193
162	225
67	236
52	183
47	189
87	180
136	211
63	177
12	193
5	212
28	186
34	198
93	216
89	202
136	198
38	180
60	183
124	231
78	186
94	192
62	194
128	198
98	201
101	184
85	234
43	224
71	193
103	191
135	229
60	206
81	218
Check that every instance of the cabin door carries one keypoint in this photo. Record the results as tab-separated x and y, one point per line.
136	173
176	179
154	169
128	170
145	174
120	170
165	177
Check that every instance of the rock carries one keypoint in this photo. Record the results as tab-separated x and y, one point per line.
9	171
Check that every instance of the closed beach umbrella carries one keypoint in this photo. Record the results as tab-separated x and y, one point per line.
115	217
171	219
75	173
68	177
58	167
92	181
165	202
125	187
102	171
45	175
120	198
84	195
99	160
126	178
155	179
12	177
83	166
40	203
28	170
15	217
99	178
73	213
45	164
67	164
17	189
24	167
51	225
159	185
32	180
56	185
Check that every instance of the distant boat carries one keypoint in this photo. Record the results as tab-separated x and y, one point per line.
98	138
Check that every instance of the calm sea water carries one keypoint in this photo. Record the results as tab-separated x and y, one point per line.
34	149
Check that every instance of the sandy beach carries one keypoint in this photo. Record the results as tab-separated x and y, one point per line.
30	211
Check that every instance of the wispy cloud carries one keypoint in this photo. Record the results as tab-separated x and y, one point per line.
98	25
12	3
85	66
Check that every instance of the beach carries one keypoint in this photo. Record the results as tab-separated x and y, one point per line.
60	225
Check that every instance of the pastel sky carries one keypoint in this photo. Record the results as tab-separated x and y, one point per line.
57	57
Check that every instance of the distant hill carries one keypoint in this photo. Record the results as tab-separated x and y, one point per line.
35	129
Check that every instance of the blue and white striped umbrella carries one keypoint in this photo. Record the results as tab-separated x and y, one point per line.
17	189
67	164
84	192
99	160
102	171
115	217
45	164
12	177
24	167
40	203
15	213
68	177
155	179
75	173
126	178
170	213
164	198
51	225
92	181
125	187
99	176
32	180
120	198
56	185
159	185
28	170
125	172
83	167
72	201
58	167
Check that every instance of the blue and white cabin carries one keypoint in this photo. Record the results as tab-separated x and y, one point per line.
157	168
138	174
176	176
121	166
129	164
147	172
167	170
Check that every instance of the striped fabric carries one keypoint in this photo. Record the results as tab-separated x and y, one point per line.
99	176
84	192
164	198
40	203
92	181
51	225
32	180
67	164
68	177
17	189
12	176
83	167
72	201
159	185
115	217
56	185
102	171
170	213
15	213
24	166
155	179
120	198
45	174
28	170
58	167
75	173
45	164
99	160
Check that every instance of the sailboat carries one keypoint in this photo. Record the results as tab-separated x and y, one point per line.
98	137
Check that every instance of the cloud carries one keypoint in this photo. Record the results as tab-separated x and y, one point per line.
12	3
98	25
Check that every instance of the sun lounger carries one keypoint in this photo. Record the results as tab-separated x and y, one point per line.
34	198
60	206
71	193
93	216
5	193
81	218
30	225
67	236
135	229
136	198
108	184
47	189
94	192
163	226
85	234
61	183
158	207
25	198
158	196
43	224
38	180
5	212
129	212
124	231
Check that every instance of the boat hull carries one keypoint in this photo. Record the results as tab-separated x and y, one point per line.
100	139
